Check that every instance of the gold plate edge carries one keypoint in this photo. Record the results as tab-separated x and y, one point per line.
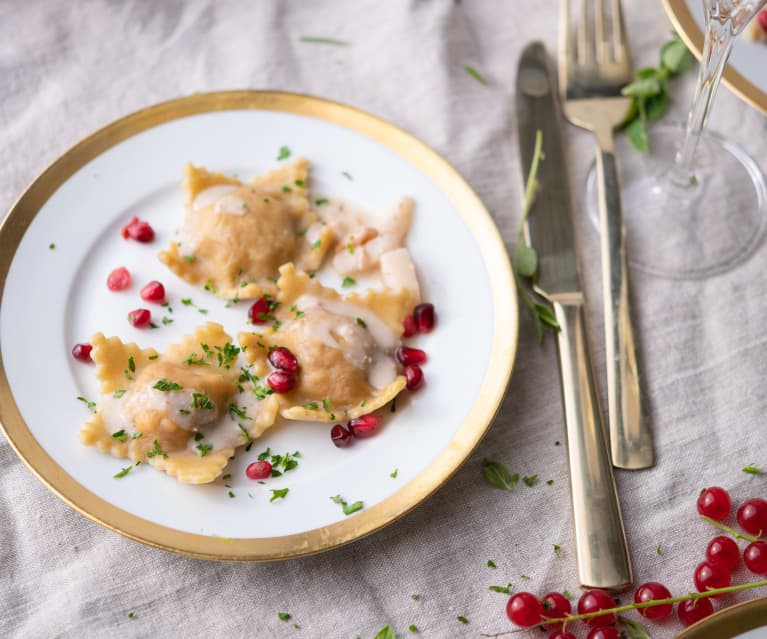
474	427
729	622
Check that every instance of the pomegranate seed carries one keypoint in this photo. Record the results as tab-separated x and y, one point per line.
258	310
594	601
561	634
763	20
259	470
414	376
82	352
752	516
153	292
557	606
652	591
694	610
138	230
609	632
407	355
723	551
365	426
340	436
119	279
140	318
424	317
524	609
283	359
755	557
409	326
709	576
281	382
715	503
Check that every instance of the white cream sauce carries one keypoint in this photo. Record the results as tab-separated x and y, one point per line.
212	194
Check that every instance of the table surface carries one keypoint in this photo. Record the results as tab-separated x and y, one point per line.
69	68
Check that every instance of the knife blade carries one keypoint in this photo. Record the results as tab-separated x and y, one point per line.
600	539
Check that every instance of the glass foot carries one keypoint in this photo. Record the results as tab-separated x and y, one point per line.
693	231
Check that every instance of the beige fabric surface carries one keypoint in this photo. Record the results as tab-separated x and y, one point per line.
70	67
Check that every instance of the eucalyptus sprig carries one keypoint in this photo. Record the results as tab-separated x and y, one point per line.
525	260
650	92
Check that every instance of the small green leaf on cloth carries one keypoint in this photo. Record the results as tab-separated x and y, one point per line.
498	475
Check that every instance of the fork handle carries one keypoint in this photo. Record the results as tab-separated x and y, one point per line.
630	435
600	540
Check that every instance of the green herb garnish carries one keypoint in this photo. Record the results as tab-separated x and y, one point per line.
498	475
156	450
190	258
120	435
346	507
91	405
530	481
360	322
348	281
278	493
322	201
752	470
204	449
202	401
475	74
462	619
119	393
283	616
319	40
284	153
506	590
491	564
166	385
122	474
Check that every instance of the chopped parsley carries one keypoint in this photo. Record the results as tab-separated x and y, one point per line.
137	434
549	482
299	183
347	508
284	153
278	493
361	322
530	481
415	597
350	248
235	411
193	360
475	74
497	475
311	406
246	434
328	406
286	189
752	470
198	436
51	246
261	392
91	405
166	385
506	590
394	474
166	320
131	364
204	449
119	393
190	258
525	577
131	615
567	594
347	175
120	435
319	40
202	401
227	354
412	628
659	550
283	616
462	619
153	357
317	244
156	450
122	474
348	281
187	301
210	287
557	549
320	201
231	495
491	564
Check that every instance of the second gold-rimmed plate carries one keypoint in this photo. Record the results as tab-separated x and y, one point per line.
61	239
745	72
747	620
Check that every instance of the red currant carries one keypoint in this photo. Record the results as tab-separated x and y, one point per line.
594	601
119	279
82	352
524	609
715	503
556	606
259	470
752	516
694	610
140	318
708	576
652	591
259	310
608	632
755	557
153	292
723	551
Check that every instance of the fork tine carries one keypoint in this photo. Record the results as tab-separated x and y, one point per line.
602	44
585	36
619	33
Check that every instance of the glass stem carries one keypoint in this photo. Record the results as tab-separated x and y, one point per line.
716	51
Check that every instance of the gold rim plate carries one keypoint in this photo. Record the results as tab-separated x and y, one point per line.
730	622
685	25
469	433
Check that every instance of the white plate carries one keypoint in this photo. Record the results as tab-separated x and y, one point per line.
54	298
745	72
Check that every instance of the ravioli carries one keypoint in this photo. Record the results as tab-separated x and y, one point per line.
344	346
236	235
185	411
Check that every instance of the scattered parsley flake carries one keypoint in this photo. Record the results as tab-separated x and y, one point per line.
659	550
317	244
131	364
462	619
491	564
475	74
347	175
193	360
506	590
202	311
311	406
166	320
119	393
278	493
227	354
166	385
346	507
245	433
242	413
202	401
525	577
153	357
299	183
51	246
497	475
187	301
549	482
284	153
321	201
120	435
320	40
261	392
415	597
137	434
122	474
91	405
350	248
567	594
394	474
190	258
412	628
556	443
557	549
204	449
156	450
361	322
348	281
131	615
231	495
752	470
198	436
283	616
530	481
286	189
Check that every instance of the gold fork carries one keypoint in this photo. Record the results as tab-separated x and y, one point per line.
594	66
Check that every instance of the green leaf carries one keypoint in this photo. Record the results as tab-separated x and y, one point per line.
525	260
647	72
643	88
283	616
675	56
635	629
475	74
530	481
656	107
498	475
546	315
506	590
637	132
278	493
387	632
283	154
750	469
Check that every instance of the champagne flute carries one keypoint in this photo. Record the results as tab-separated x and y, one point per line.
696	206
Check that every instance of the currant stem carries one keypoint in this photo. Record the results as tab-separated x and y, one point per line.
635	606
732	531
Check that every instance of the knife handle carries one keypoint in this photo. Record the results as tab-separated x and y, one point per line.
630	435
600	540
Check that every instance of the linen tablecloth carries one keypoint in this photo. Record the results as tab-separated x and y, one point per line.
68	68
